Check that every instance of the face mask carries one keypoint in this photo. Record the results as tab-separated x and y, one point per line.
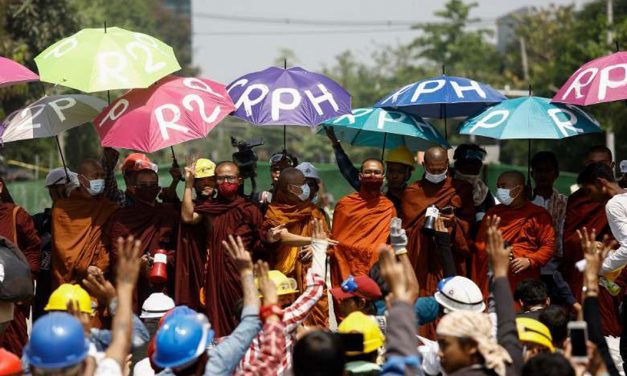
96	187
435	179
372	182
315	199
304	196
504	196
228	190
147	194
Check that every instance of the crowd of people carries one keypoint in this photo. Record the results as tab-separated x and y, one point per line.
443	275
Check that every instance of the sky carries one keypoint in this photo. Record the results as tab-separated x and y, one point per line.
232	38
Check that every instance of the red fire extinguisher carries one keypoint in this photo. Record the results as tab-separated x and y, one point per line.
159	273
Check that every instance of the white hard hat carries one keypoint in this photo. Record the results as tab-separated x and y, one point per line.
156	305
459	294
58	176
309	170
623	166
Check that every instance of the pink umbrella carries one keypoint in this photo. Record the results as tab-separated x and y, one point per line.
169	112
12	73
600	80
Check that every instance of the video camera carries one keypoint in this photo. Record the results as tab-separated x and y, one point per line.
245	157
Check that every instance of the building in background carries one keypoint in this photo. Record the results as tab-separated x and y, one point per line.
506	27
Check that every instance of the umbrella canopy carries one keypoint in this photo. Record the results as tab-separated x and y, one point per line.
530	118
174	110
600	80
106	59
442	97
383	128
293	96
49	116
12	73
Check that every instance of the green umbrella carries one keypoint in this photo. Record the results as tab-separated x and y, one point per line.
106	59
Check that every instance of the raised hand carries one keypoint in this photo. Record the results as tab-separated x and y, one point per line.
495	247
129	261
241	257
392	272
594	252
267	287
331	134
398	236
99	287
439	225
190	170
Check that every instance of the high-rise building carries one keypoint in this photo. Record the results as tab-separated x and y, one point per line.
506	27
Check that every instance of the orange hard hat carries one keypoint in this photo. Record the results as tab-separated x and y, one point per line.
10	364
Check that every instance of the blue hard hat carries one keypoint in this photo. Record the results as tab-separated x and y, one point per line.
179	310
181	340
57	341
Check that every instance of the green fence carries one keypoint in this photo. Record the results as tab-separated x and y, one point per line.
34	197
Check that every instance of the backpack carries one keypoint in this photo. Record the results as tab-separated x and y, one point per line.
16	281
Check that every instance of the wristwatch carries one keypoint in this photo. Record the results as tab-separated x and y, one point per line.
586	290
270	310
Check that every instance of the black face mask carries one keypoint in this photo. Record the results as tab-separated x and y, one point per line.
147	194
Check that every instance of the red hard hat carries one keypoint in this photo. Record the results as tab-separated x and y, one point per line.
10	364
138	162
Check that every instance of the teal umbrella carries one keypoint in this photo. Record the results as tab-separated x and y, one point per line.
385	128
530	118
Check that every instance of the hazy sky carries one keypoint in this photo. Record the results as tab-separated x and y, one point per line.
230	39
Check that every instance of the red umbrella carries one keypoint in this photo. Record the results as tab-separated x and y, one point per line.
169	112
12	73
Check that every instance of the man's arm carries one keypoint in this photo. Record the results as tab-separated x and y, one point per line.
348	170
187	206
618	224
546	237
224	357
110	158
443	248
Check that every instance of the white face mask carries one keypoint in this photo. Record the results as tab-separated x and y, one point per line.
96	187
435	179
504	196
304	196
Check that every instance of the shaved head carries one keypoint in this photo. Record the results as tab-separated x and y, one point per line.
231	166
436	154
289	176
515	177
91	169
370	162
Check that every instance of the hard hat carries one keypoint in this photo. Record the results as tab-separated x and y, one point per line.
181	340
284	285
156	305
57	176
204	168
401	155
309	170
10	364
138	162
623	166
357	322
178	310
459	294
64	294
361	286
57	341
533	331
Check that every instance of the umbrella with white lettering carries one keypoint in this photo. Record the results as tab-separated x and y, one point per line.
170	112
442	97
601	80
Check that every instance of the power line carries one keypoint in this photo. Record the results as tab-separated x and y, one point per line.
306	32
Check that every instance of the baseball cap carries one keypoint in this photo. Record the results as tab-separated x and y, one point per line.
361	286
58	176
138	162
309	170
204	168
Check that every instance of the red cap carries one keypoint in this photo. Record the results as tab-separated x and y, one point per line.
10	364
366	288
138	162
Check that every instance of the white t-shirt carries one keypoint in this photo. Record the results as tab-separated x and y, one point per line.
143	368
108	367
616	212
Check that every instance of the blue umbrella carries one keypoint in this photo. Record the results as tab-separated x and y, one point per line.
530	118
443	97
384	128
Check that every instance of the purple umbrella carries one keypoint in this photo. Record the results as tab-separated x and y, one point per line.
292	96
12	73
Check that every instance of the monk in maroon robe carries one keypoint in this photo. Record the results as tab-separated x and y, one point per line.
152	223
17	226
228	214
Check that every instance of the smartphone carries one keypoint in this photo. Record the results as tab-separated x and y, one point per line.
447	210
352	341
578	334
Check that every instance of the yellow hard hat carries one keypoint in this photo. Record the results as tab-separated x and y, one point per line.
357	322
401	155
284	285
204	168
533	331
64	294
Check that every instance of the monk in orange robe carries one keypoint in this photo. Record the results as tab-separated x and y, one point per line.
437	189
361	223
79	223
18	227
228	214
152	223
292	210
527	228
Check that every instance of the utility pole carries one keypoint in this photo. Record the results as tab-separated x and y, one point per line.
523	58
609	135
